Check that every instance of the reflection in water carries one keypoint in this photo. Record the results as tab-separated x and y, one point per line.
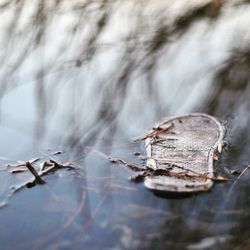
95	74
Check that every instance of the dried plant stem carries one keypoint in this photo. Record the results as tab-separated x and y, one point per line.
54	166
120	162
183	175
237	179
38	178
155	131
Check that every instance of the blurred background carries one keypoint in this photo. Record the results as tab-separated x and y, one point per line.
82	76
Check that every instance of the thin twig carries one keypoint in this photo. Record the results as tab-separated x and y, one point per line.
124	163
237	179
38	178
165	172
174	165
181	175
55	166
120	162
153	132
229	192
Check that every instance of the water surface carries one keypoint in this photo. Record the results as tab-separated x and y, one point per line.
87	77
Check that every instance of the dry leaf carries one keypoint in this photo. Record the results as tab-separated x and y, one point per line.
216	157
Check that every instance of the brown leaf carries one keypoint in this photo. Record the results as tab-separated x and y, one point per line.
216	157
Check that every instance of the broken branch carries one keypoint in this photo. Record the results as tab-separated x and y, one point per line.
38	178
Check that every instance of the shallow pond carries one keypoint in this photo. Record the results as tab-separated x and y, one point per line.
85	78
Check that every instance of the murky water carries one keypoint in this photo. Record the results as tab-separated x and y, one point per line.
87	77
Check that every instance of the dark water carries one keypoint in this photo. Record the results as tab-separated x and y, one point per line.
89	76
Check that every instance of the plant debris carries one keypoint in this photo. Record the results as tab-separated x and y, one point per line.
216	157
120	162
124	163
237	179
21	166
46	167
38	178
154	132
153	170
136	153
164	172
235	172
57	152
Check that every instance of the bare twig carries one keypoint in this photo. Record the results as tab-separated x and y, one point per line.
124	163
237	179
183	175
120	162
155	131
38	178
53	166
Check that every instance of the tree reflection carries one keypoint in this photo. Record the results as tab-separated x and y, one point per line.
105	69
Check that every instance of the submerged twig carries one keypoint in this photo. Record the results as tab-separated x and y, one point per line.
237	179
120	161
229	192
53	166
151	171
